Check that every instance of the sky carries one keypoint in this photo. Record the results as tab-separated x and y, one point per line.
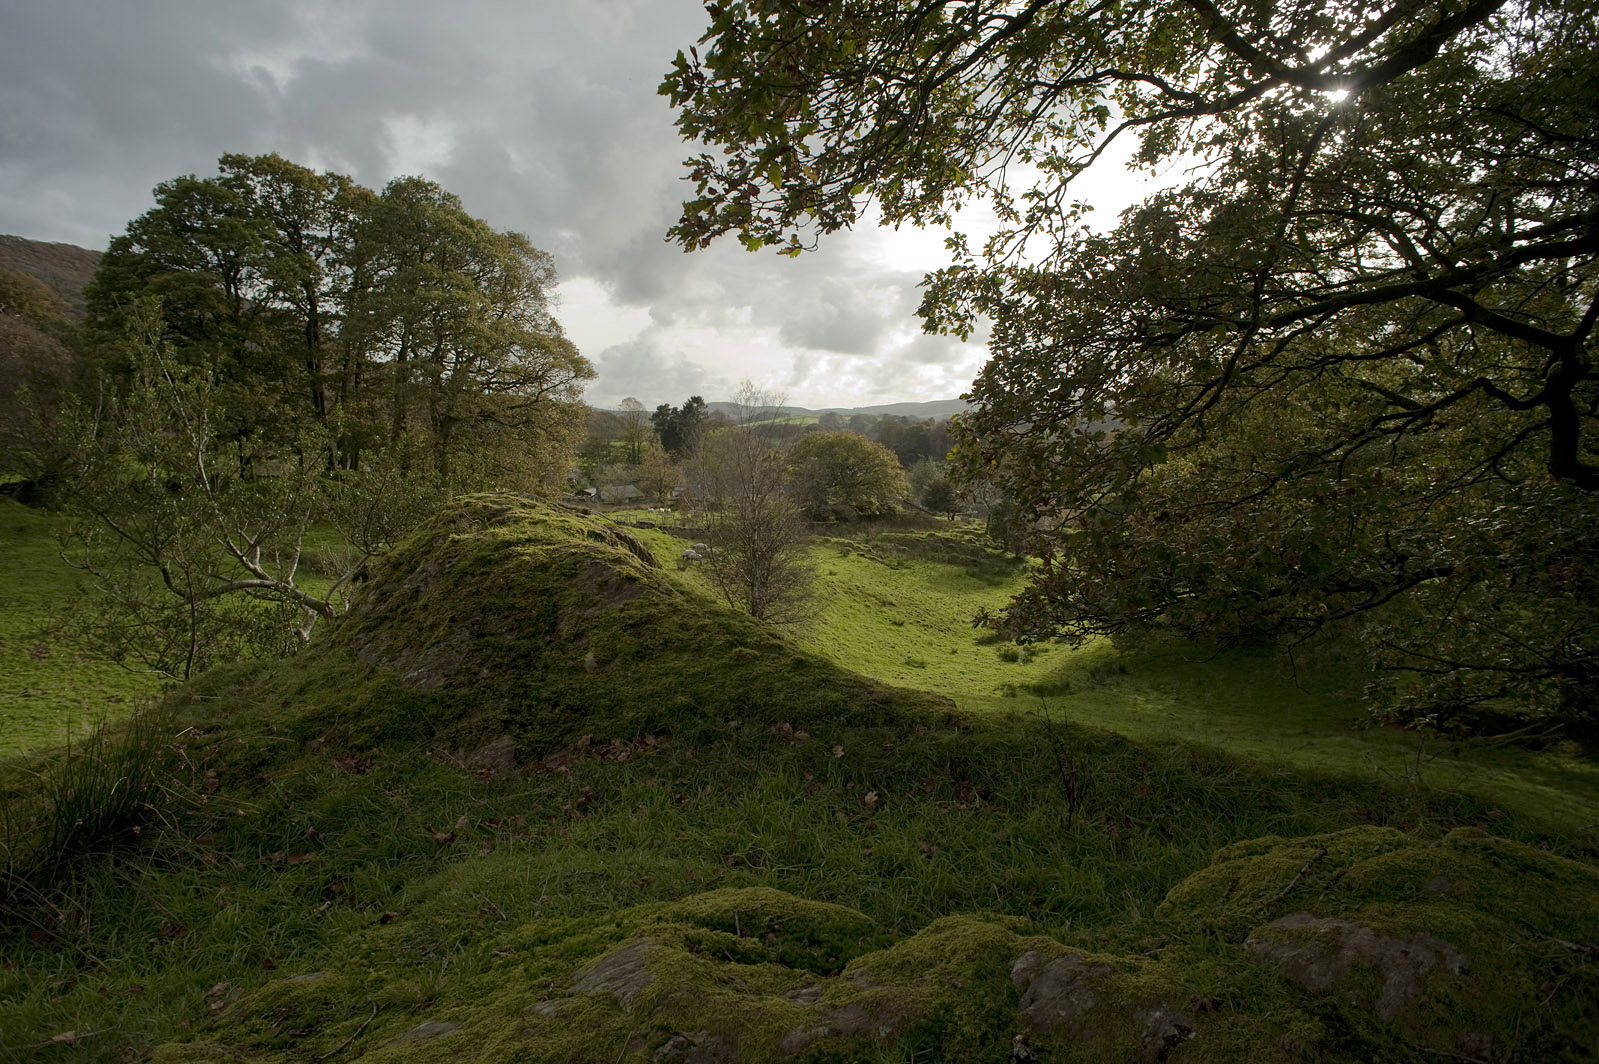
542	115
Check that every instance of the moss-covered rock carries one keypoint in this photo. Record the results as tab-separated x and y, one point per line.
1269	957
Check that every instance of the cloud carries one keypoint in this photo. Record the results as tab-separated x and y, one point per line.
653	369
543	118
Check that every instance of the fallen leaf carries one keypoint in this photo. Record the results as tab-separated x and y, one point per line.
463	824
870	800
299	858
838	751
68	1037
926	847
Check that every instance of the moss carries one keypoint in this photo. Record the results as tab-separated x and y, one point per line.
1465	941
506	616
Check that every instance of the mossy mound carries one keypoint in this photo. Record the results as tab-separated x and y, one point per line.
1470	945
510	628
1358	969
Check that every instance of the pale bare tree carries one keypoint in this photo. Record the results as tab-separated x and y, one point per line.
738	484
635	429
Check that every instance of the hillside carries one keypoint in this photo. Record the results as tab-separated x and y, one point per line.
66	268
540	799
936	409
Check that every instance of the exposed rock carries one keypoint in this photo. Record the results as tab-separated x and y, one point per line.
494	758
1321	961
1056	993
431	1029
1164	1030
622	974
701	1047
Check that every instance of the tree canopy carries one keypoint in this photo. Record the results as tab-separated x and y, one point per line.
845	469
393	319
282	351
680	428
1342	372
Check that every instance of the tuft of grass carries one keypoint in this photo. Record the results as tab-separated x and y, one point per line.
82	800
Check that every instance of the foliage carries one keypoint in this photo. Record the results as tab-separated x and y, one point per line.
833	470
680	428
391	321
739	491
658	478
282	349
37	373
1343	374
940	496
179	526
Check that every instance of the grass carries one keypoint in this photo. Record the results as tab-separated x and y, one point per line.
897	606
51	692
337	813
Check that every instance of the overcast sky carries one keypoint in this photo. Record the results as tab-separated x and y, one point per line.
541	115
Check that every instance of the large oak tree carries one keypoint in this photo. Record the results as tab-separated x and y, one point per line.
1342	373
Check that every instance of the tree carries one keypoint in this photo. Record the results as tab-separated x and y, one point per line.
397	318
738	488
940	497
280	348
680	428
837	472
1343	375
194	562
635	429
658	478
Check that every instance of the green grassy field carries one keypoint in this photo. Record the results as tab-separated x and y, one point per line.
528	752
49	691
897	606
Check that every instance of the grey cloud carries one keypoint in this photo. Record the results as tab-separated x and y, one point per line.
846	316
651	369
555	130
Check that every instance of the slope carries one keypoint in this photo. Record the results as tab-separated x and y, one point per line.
536	799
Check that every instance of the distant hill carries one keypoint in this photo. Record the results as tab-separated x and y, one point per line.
938	409
66	268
